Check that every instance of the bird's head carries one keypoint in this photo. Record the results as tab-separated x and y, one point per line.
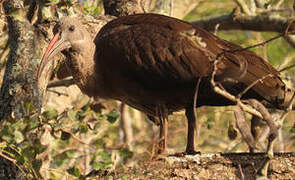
69	35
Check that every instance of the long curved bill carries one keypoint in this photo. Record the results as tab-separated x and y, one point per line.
57	44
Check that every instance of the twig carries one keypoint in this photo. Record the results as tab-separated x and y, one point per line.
244	7
171	8
286	68
63	82
244	128
286	61
226	94
279	3
78	139
8	158
255	45
287	110
252	85
58	93
260	3
273	127
216	29
230	21
253	7
241	172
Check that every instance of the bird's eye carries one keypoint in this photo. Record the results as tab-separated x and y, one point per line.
72	28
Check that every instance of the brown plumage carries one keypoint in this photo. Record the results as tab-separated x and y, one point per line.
153	62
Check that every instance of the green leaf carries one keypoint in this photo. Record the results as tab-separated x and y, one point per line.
86	107
72	114
71	153
80	116
113	116
50	113
125	153
29	107
20	159
60	159
38	147
231	132
100	116
210	122
83	128
74	171
134	171
29	153
55	1
97	165
125	177
106	157
37	165
34	124
99	143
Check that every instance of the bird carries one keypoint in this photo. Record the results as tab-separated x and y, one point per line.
159	65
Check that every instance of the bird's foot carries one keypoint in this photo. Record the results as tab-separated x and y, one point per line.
191	152
182	154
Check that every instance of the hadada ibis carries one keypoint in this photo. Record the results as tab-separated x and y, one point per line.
155	63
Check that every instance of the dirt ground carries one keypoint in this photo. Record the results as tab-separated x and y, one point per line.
206	166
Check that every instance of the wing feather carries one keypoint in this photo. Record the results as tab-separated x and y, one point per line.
163	49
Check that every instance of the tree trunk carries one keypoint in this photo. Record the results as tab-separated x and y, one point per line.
123	7
19	95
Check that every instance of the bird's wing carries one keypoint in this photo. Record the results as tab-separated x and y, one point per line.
155	47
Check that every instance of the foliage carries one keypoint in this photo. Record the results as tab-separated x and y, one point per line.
94	8
60	141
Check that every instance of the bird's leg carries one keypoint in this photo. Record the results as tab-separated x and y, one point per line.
191	132
163	136
191	115
163	115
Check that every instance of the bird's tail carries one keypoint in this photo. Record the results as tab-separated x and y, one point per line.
260	76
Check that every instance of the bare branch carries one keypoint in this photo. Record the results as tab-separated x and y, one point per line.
244	128
8	158
252	85
63	82
260	3
279	3
227	95
243	6
237	21
286	68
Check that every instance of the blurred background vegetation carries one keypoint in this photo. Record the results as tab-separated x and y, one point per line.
76	135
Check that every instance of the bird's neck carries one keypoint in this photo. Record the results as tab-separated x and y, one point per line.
82	66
